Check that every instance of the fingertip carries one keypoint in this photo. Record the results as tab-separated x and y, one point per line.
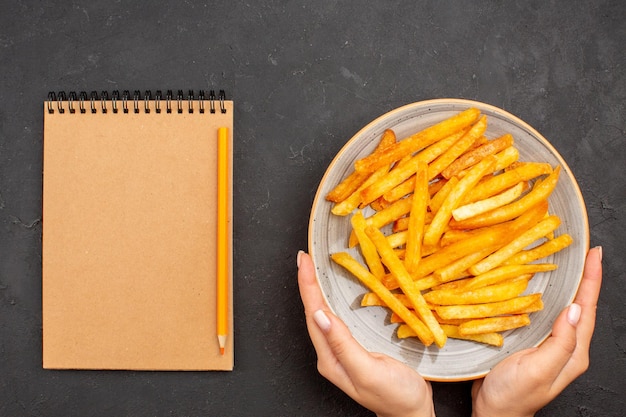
573	314
303	260
593	262
299	258
322	320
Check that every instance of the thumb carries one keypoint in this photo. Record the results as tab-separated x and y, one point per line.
556	351
347	351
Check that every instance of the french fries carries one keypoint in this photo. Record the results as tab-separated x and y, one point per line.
406	283
531	235
358	270
482	206
452	331
497	292
457	149
352	183
460	190
484	310
476	155
368	250
417	219
418	141
493	324
457	225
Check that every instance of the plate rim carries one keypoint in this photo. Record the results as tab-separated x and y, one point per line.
466	103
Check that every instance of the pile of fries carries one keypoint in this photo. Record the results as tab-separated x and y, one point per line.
457	224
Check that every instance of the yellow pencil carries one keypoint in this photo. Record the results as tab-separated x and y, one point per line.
222	236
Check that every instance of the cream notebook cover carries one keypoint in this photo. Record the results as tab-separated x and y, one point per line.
129	232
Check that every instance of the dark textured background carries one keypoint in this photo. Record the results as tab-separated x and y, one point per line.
305	76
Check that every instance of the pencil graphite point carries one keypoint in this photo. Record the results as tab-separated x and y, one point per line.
222	341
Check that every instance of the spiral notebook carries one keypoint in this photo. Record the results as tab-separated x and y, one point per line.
129	231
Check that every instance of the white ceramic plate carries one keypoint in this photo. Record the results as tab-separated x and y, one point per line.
458	360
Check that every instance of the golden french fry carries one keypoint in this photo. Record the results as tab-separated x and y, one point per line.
505	158
349	204
418	141
395	319
401	190
378	204
518	164
452	331
435	186
537	305
355	268
475	155
346	195
458	268
404	332
541	251
398	239
417	219
347	187
426	283
454	235
498	183
442	194
494	324
406	284
480	142
368	250
452	285
482	206
403	222
457	149
355	180
386	216
491	338
433	151
498	257
539	193
387	139
504	273
393	178
371	299
498	308
443	215
483	239
426	155
492	293
454	322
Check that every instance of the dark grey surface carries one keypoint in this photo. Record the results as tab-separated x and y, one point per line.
305	76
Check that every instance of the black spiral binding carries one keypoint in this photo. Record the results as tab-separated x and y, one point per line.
82	102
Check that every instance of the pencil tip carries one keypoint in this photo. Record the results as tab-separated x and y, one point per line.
222	343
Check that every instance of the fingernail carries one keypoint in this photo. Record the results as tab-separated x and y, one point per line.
599	252
573	314
299	258
322	320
